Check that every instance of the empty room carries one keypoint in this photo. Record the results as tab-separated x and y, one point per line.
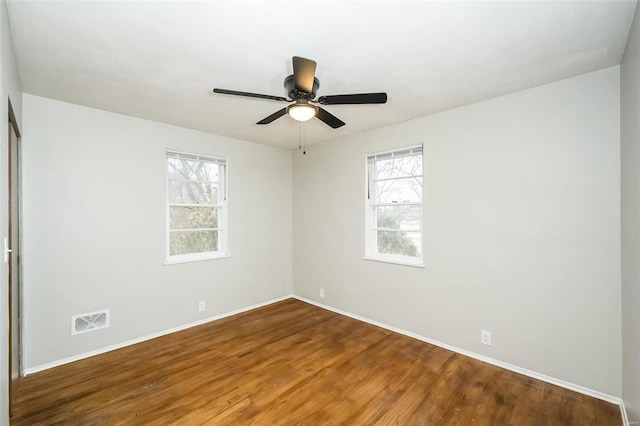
320	212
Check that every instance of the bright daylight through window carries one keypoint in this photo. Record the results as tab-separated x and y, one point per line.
394	206
196	207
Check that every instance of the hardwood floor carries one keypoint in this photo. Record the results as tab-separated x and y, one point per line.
293	363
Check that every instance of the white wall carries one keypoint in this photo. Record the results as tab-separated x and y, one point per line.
522	230
630	155
9	89
10	79
94	228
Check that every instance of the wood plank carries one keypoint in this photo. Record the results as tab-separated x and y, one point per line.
294	363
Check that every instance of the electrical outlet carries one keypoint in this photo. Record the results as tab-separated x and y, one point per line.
322	292
202	306
485	337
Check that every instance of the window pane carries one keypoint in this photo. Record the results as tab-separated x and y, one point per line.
184	242
193	170
399	217
395	211
185	192
193	217
400	243
399	191
399	167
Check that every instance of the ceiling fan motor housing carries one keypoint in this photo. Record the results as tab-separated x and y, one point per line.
295	94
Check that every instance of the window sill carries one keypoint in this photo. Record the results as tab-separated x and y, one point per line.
400	261
191	259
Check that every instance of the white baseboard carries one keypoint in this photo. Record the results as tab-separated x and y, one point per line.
514	368
623	413
149	337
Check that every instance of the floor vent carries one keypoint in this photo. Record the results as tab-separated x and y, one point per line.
91	321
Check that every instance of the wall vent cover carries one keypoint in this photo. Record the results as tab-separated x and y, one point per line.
83	323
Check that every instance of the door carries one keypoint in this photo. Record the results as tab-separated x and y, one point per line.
13	251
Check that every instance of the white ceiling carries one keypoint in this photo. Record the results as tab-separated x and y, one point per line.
160	60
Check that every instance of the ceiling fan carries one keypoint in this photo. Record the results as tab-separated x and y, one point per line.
301	88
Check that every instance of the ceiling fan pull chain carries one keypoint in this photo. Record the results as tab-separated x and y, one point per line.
304	139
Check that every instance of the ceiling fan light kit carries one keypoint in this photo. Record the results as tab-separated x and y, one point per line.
302	112
301	87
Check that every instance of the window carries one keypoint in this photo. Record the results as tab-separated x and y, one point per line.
196	207
394	206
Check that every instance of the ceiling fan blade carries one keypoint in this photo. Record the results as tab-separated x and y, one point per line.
273	116
304	71
361	98
250	95
329	118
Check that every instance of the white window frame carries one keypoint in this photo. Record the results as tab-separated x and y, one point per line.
223	223
371	228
